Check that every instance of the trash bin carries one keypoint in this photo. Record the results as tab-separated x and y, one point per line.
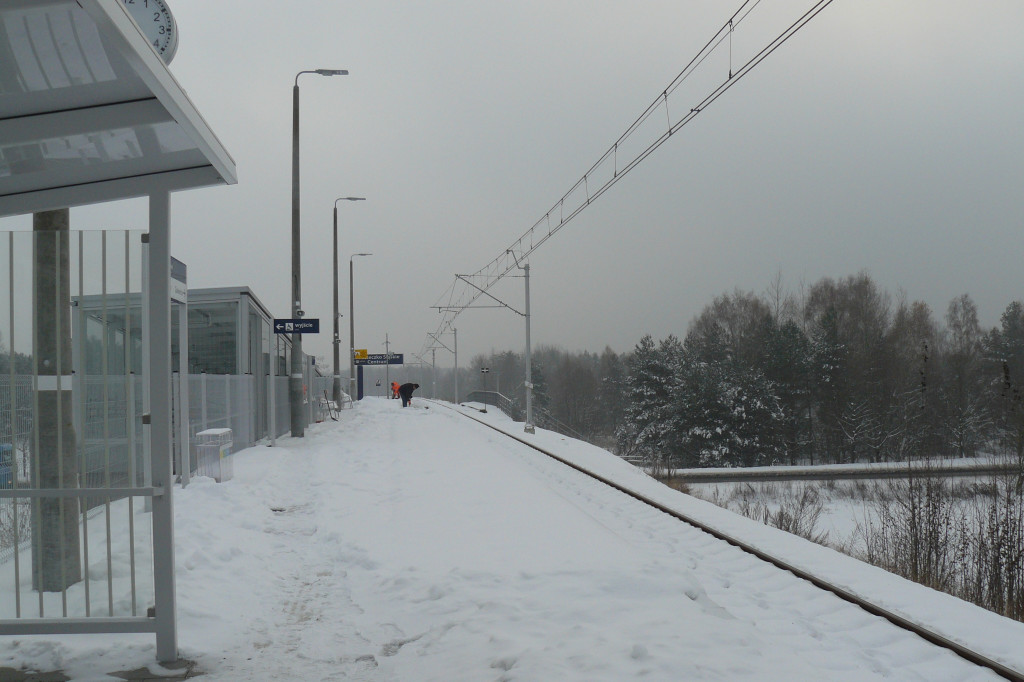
213	454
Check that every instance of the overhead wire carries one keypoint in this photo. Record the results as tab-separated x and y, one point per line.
529	241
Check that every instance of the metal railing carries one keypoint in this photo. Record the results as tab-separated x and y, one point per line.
77	554
541	417
495	399
94	569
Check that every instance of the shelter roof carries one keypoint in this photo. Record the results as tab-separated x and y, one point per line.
90	113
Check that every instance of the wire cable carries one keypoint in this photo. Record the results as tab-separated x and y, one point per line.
583	192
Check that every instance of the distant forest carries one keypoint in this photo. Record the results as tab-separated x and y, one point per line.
843	372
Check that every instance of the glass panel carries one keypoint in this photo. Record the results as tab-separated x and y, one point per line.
213	338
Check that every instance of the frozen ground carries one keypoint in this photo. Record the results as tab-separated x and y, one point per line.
416	545
848	507
842	514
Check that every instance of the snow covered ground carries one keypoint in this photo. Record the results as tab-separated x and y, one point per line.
416	545
848	507
842	515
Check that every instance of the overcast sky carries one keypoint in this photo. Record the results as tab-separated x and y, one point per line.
885	136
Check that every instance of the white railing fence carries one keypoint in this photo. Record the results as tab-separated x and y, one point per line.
76	539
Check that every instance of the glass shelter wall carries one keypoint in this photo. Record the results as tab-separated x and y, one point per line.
213	337
232	350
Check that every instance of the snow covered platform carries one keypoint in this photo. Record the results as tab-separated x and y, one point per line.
414	544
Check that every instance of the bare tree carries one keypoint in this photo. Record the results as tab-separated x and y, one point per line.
966	415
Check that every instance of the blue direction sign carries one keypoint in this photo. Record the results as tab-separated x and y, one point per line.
298	326
382	359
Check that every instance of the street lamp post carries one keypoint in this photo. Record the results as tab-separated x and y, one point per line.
336	385
297	370
352	329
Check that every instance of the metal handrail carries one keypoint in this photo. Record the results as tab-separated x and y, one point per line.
503	403
541	416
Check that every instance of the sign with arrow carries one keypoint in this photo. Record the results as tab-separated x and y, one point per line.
297	326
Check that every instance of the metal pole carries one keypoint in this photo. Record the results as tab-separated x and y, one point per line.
295	378
456	333
203	425
354	392
147	446
307	385
529	370
351	337
485	371
184	432
295	393
272	381
336	386
159	297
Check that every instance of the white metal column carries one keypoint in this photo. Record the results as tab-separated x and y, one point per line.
147	444
159	418
184	438
272	389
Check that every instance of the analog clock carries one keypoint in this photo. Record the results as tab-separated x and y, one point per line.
157	24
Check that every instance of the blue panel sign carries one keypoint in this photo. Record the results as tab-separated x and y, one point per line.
382	359
298	326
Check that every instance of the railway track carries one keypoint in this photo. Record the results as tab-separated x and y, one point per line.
847	596
874	474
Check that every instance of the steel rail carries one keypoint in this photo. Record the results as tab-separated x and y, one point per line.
761	476
900	621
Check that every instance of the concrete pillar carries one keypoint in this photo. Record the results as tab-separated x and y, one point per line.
55	540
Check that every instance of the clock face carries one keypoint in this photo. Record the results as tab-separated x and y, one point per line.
157	24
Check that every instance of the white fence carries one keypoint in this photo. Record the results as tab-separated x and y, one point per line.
108	424
75	543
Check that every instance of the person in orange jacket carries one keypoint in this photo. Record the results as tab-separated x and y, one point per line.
394	389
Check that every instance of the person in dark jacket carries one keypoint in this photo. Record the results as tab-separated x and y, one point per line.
405	390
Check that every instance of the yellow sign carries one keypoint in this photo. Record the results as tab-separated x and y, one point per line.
359	354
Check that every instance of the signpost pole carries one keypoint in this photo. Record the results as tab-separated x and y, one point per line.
485	371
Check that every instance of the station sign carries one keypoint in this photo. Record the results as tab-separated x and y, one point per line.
382	359
297	326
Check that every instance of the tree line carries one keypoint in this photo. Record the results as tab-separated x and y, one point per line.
841	372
